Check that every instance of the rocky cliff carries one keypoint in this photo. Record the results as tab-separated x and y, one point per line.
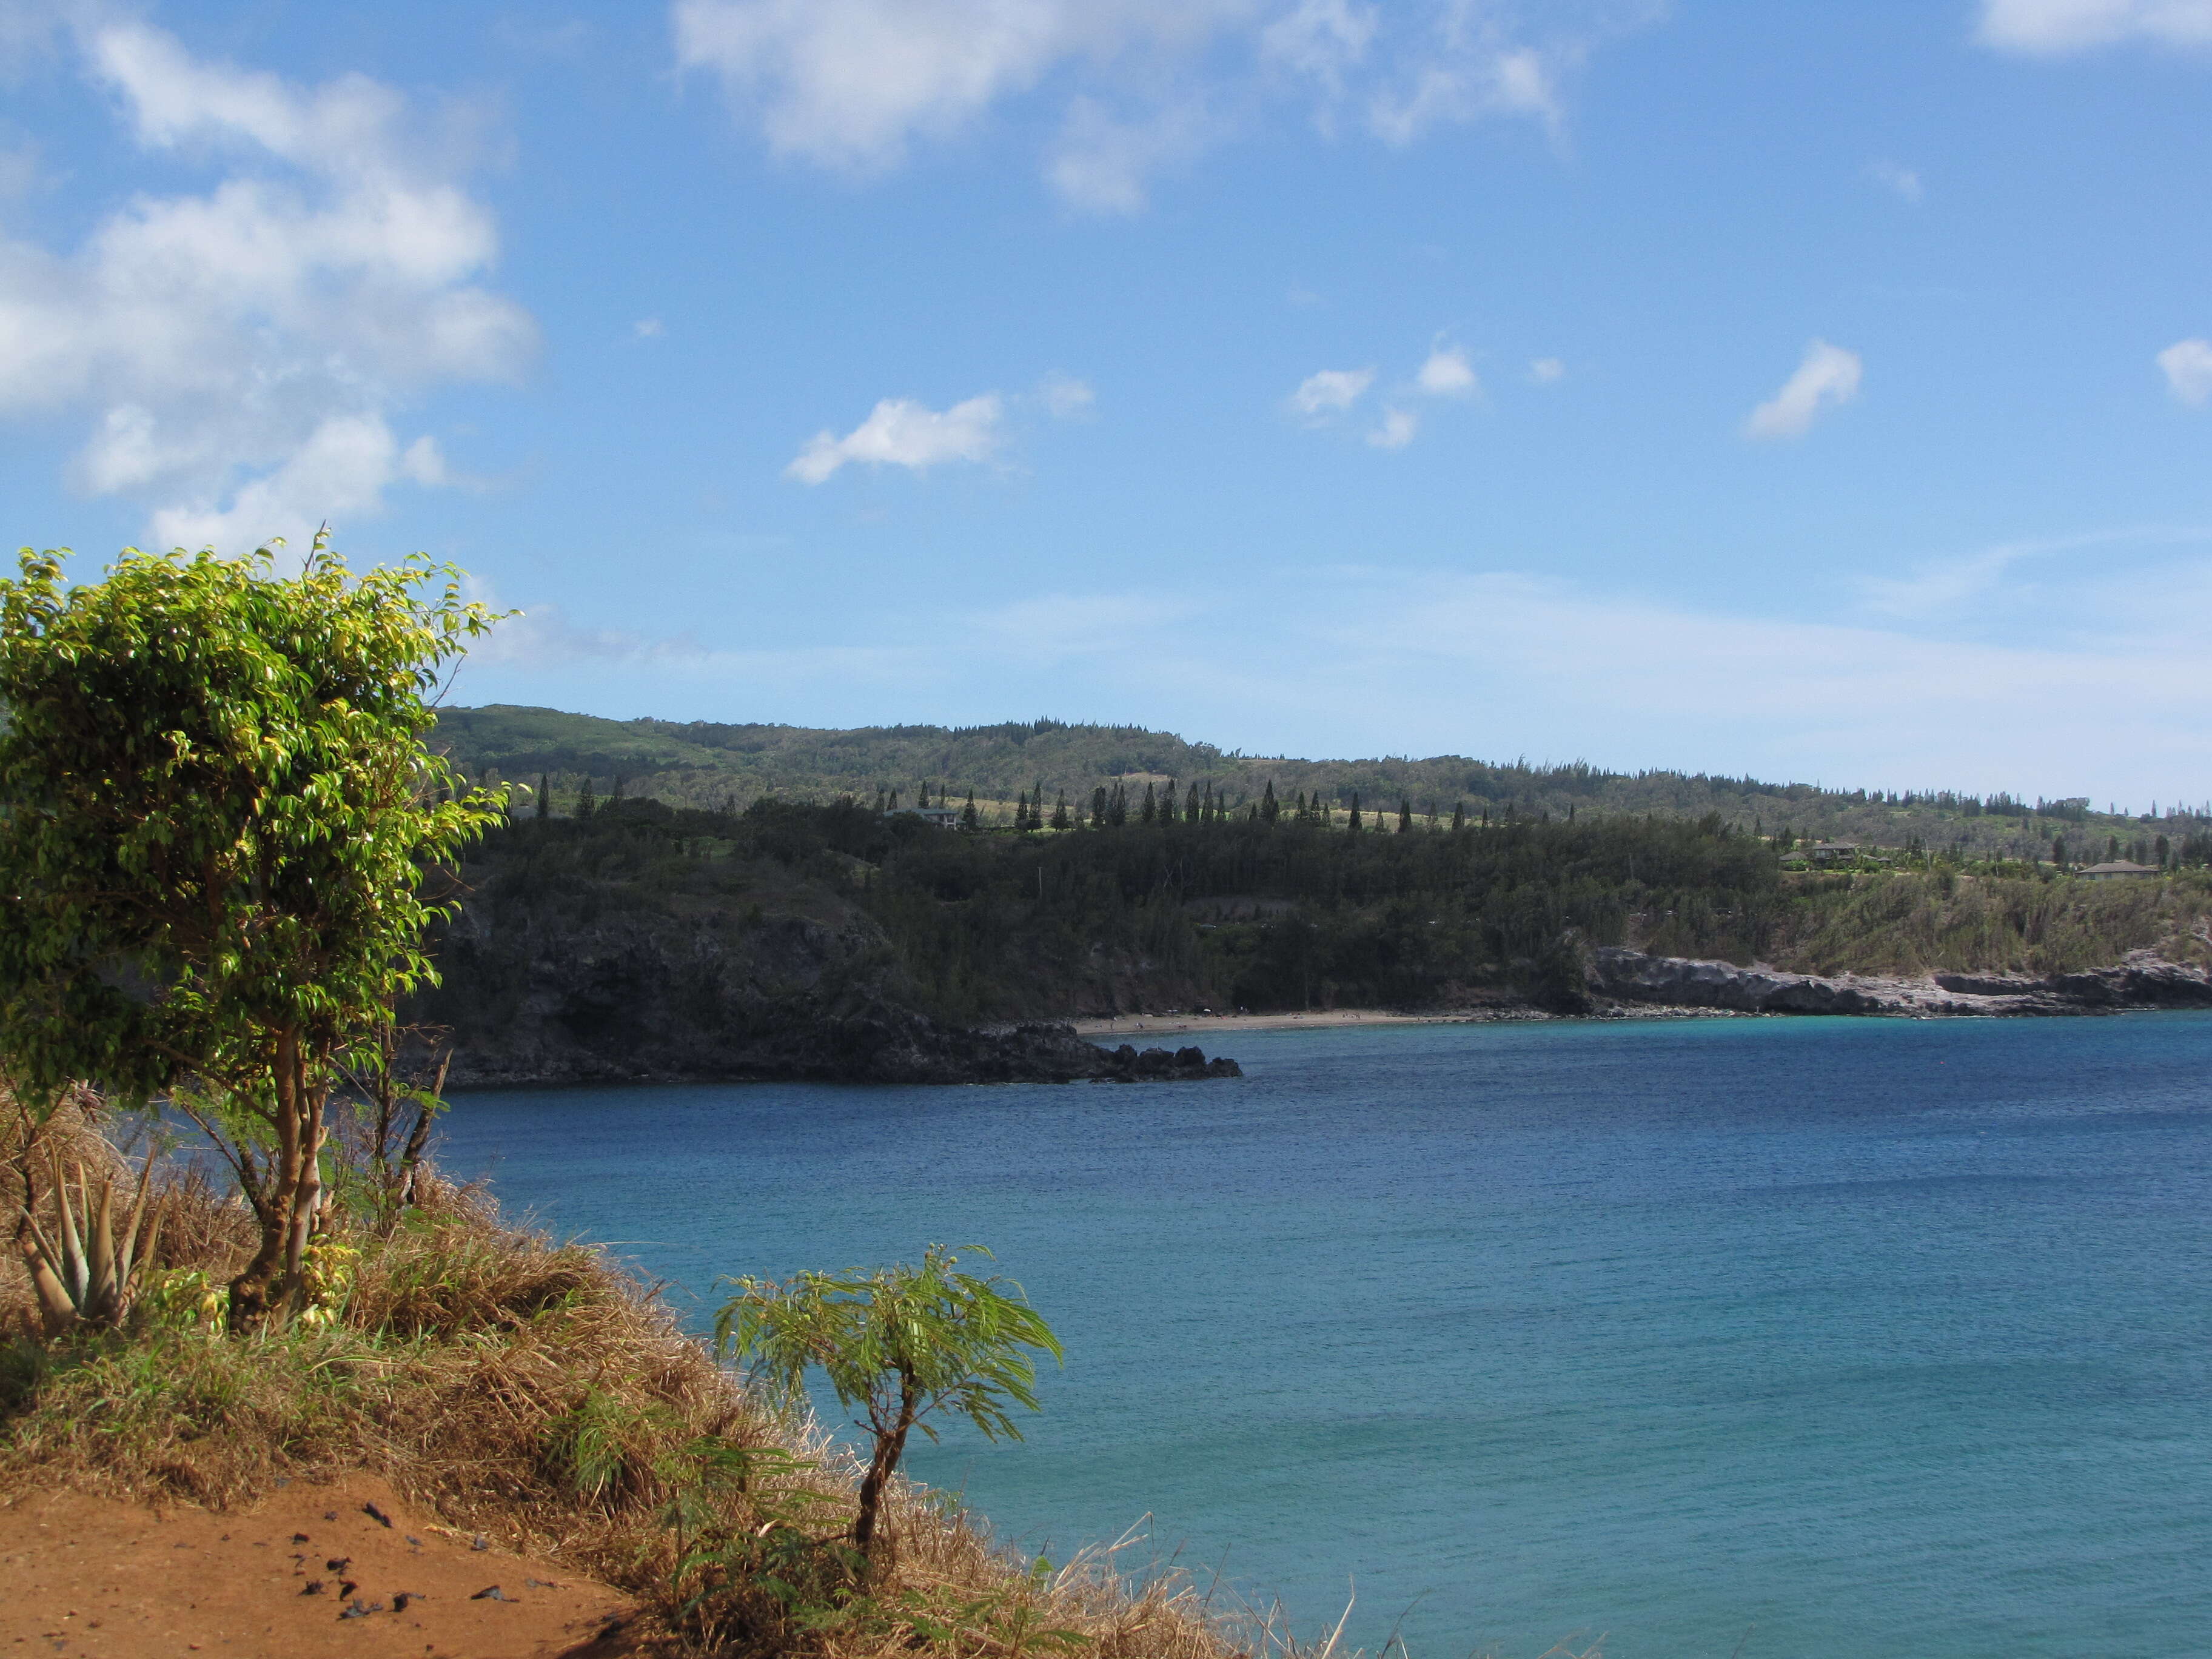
669	993
2141	980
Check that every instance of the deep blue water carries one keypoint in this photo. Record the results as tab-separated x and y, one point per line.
1865	1337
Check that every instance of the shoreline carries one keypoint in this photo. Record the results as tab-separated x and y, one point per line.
1133	1026
1130	1027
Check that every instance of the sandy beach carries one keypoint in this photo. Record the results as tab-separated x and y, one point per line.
1131	1027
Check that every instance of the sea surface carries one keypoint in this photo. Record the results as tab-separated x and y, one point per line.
1763	1337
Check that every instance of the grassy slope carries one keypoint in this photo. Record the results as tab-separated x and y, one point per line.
704	764
529	1391
1938	921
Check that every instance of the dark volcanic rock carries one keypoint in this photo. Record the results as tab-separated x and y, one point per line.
1126	1065
644	998
2143	980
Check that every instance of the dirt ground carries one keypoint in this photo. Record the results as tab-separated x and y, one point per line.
98	1578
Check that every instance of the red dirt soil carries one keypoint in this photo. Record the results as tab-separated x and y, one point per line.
100	1578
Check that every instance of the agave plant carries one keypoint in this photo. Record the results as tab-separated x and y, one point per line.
83	1269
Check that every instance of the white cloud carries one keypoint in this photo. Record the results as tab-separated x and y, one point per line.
1827	376
900	432
1331	391
2187	365
1544	371
646	328
1398	429
1102	162
854	85
1065	398
1321	41
1447	373
2050	28
1512	82
251	344
1949	587
1903	181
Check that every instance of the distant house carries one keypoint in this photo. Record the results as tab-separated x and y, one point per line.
945	817
2114	871
1833	851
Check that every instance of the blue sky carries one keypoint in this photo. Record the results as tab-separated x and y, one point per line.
1818	392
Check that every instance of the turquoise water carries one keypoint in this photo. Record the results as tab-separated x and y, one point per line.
1828	1338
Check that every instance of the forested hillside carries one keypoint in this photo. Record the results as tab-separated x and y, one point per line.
728	767
595	928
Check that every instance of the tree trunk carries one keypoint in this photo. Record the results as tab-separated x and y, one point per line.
265	1286
871	1529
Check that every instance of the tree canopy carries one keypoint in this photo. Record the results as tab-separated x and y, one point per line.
215	814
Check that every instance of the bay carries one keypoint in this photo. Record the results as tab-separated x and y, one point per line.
1784	1337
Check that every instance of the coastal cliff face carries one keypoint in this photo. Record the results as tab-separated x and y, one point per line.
2141	980
671	992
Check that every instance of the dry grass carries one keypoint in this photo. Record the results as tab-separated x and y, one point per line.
527	1390
1916	922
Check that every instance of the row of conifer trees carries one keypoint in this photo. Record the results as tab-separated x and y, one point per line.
1113	806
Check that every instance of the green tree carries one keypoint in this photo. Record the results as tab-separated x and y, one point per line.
1151	808
1059	809
1406	814
1269	808
216	811
1459	815
970	820
588	802
1355	812
899	1343
545	804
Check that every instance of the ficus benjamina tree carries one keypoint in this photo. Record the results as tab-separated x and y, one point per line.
902	1343
216	816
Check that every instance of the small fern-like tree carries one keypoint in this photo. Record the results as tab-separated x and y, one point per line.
900	1343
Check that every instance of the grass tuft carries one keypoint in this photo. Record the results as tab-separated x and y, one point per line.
530	1391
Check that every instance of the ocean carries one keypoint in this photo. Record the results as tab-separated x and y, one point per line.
1763	1338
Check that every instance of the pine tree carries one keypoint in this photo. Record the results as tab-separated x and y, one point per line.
544	796
587	801
1151	809
1355	811
1059	810
1459	815
616	794
1405	814
1021	814
1268	807
1098	808
969	820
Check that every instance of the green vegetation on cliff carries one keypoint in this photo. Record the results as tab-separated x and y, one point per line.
600	929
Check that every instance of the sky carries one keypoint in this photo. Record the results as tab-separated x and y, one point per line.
1817	393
